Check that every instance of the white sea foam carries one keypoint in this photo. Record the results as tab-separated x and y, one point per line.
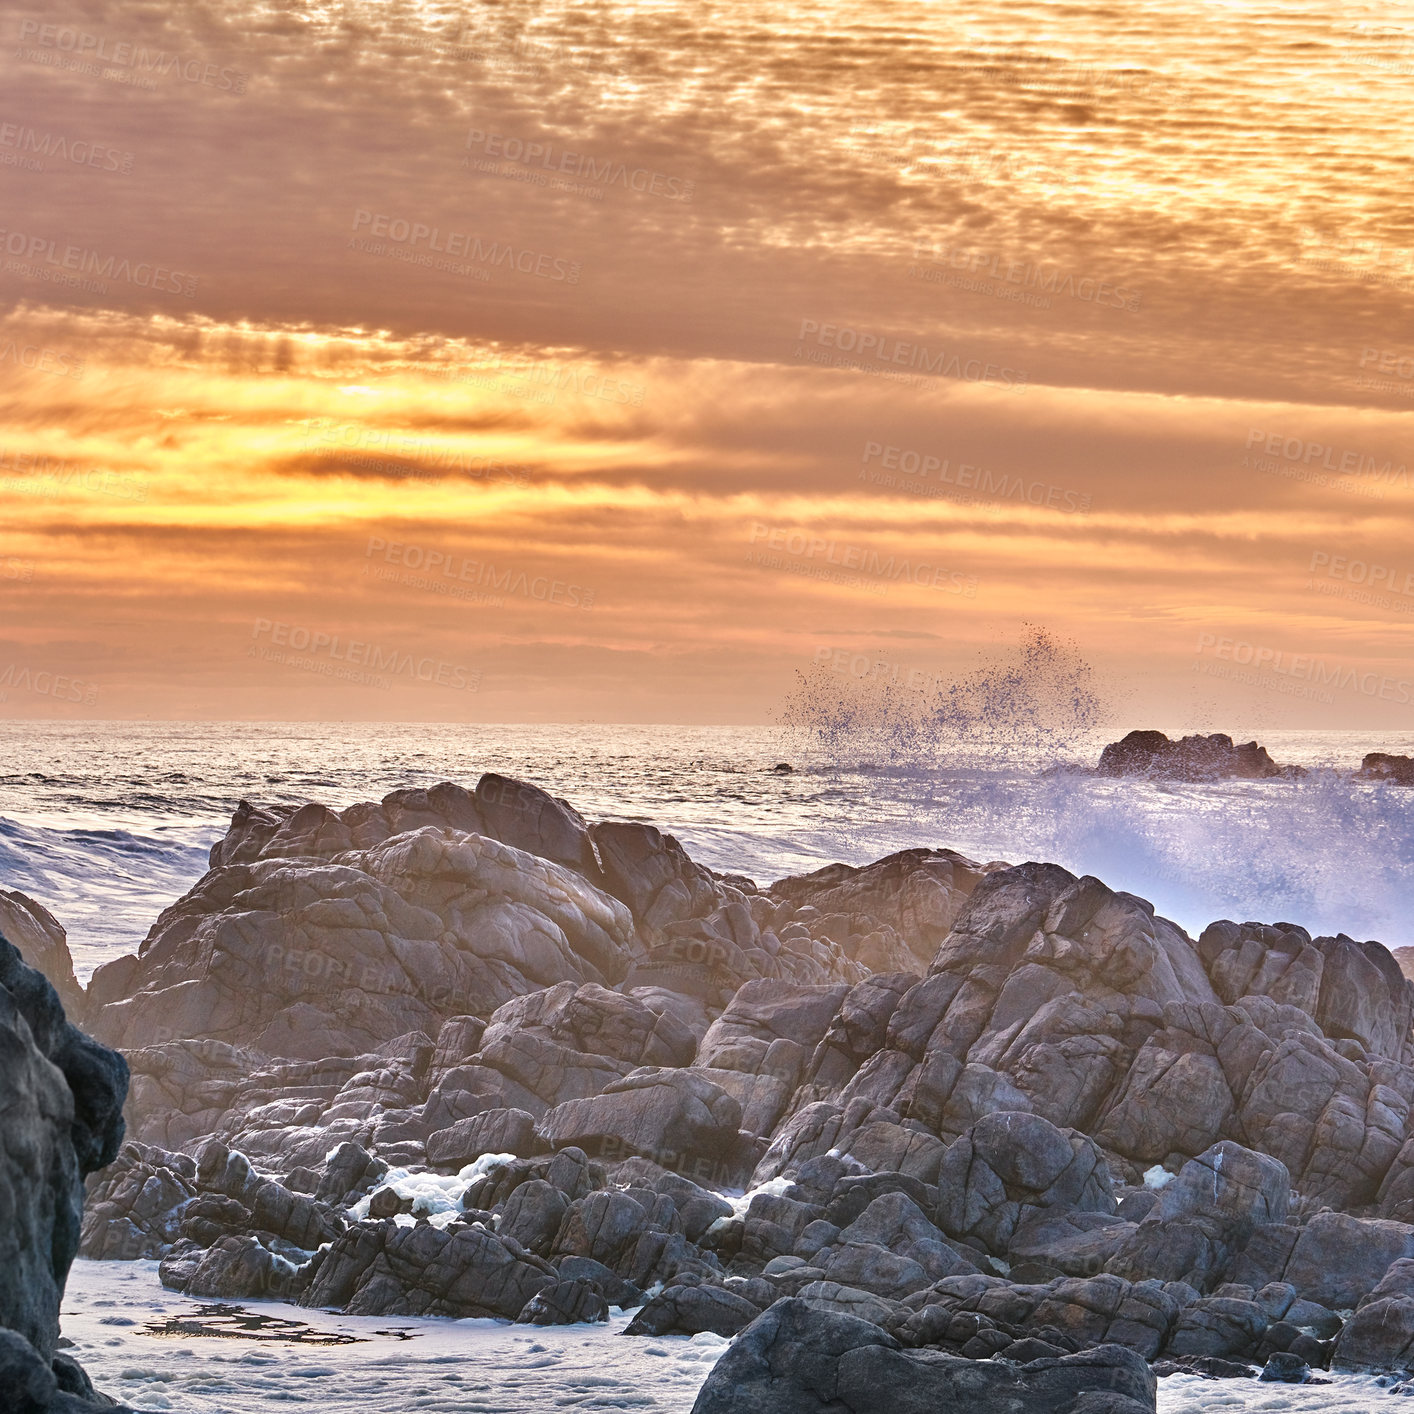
474	1366
435	1196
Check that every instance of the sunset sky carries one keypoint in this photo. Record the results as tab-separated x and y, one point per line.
618	362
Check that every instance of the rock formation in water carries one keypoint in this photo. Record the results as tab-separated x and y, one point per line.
1381	766
61	1098
461	1053
1191	758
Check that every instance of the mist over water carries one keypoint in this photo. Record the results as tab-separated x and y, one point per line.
998	763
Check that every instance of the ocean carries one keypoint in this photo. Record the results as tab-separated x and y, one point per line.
106	823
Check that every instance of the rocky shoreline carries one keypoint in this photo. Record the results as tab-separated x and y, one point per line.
923	1130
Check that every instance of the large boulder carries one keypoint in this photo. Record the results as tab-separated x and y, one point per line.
673	1117
310	957
381	1269
1009	1168
1380	1335
794	1359
1204	1216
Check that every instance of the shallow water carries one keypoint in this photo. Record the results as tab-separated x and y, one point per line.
469	1367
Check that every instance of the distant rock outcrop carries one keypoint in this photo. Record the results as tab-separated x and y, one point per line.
1381	766
1191	758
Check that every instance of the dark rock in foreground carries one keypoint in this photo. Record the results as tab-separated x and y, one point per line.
1191	758
796	1360
61	1098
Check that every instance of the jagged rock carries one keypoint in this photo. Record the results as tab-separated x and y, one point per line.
1380	1335
276	1209
313	957
43	944
498	1131
525	817
1210	1210
1286	1369
603	1226
836	1299
1194	758
1009	1166
1382	766
569	1171
1338	1259
1219	1326
379	1269
533	1215
349	1172
135	1206
796	1360
234	1267
670	1116
61	1095
916	894
616	1291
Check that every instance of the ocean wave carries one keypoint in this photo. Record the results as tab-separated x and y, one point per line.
105	885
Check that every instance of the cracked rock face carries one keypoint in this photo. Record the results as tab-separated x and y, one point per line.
796	1360
61	1097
